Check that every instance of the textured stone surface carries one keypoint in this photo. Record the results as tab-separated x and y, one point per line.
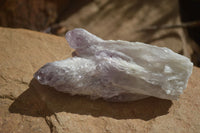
18	61
117	70
30	107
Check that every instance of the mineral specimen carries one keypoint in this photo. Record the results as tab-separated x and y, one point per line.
117	70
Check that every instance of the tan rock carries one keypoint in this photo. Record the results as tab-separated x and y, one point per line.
27	106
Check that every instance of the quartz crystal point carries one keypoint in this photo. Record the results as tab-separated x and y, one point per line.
117	70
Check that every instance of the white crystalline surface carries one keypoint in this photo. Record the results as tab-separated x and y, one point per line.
117	70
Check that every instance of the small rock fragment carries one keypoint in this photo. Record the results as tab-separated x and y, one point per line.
117	70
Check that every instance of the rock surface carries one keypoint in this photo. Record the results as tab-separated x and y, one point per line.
27	106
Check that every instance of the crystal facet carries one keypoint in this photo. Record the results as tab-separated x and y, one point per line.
117	70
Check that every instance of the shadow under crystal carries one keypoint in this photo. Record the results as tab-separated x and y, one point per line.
40	101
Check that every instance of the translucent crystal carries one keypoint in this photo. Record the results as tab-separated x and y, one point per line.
117	70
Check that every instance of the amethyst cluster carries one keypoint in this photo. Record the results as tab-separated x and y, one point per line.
117	70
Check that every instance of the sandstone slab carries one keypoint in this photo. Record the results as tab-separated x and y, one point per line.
27	106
